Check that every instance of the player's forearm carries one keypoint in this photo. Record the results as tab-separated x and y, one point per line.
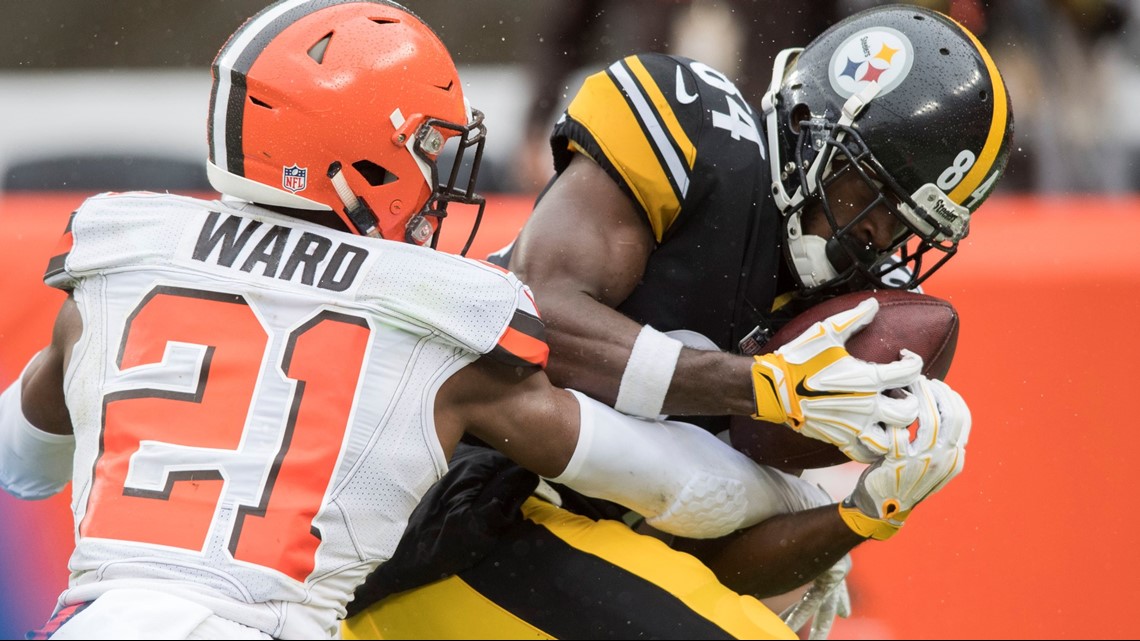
779	554
711	383
591	346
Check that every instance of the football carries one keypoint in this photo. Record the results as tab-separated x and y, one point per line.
924	324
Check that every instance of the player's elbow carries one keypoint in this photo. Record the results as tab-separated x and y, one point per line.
707	506
34	464
31	489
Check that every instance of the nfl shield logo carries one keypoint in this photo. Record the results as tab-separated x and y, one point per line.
293	178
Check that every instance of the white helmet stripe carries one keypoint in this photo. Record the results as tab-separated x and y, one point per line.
225	64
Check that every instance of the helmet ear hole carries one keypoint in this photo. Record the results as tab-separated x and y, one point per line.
373	173
798	114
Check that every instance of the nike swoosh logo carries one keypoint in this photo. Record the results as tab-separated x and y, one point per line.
682	94
803	391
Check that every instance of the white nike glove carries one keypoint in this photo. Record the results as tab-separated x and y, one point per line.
822	602
889	489
813	385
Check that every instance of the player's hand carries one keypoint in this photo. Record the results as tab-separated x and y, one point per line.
822	602
817	388
890	488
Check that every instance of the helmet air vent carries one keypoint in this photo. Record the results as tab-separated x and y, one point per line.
259	102
317	51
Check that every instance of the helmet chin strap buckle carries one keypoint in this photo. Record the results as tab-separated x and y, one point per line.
358	211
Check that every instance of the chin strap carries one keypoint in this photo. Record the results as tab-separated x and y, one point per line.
357	210
771	118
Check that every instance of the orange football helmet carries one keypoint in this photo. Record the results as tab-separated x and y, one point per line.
344	106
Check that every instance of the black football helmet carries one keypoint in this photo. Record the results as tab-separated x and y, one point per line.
912	102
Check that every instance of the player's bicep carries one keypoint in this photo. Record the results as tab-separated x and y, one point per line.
585	235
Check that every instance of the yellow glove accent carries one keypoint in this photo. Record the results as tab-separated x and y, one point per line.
779	385
770	390
868	526
813	385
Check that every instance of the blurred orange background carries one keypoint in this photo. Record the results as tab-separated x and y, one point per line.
1036	539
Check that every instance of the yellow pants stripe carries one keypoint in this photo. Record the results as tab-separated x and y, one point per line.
453	608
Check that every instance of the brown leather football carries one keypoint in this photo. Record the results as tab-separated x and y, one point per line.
924	324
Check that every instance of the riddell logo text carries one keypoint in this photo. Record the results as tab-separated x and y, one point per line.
278	252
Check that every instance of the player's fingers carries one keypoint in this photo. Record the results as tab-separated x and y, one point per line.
900	442
929	418
803	610
898	374
897	411
825	615
847	324
844	609
871	443
864	450
956	419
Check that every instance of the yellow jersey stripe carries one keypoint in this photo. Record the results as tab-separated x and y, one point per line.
647	114
663	109
693	584
998	123
601	108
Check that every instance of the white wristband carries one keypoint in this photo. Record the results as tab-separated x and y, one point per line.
648	374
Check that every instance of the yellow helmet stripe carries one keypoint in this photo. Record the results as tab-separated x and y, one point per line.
989	154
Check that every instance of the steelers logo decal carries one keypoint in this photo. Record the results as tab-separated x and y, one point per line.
878	54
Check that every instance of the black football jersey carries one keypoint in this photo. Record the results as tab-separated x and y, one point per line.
680	140
683	144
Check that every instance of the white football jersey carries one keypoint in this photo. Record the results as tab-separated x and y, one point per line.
252	399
